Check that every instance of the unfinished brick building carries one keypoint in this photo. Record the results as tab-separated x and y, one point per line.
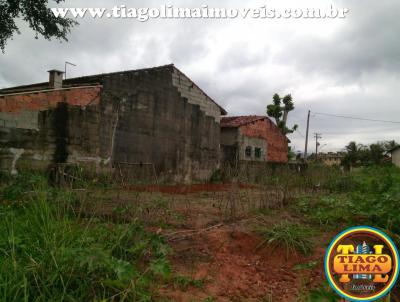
252	138
155	116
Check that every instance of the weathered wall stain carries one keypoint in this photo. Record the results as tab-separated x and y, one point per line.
119	118
17	154
48	125
61	132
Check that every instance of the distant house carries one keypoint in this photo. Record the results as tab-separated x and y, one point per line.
396	156
331	158
252	138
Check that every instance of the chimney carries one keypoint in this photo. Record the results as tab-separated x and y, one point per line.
55	78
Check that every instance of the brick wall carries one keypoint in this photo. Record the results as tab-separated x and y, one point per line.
39	128
21	110
46	99
277	146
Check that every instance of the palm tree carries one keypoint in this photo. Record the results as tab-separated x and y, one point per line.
354	154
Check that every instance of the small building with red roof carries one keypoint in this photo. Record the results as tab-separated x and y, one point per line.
252	138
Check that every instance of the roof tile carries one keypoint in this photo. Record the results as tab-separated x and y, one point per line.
237	121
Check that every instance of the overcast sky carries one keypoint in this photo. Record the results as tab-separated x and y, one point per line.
345	66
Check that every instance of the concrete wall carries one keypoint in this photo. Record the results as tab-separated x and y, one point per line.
229	136
153	116
277	143
195	95
23	120
396	157
155	125
38	129
253	143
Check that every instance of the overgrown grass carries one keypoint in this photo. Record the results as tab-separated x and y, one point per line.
371	197
49	254
290	236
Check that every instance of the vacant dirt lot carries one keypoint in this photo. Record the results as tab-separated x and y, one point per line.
213	233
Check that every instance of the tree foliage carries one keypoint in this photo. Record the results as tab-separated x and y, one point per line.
291	154
362	155
279	110
38	16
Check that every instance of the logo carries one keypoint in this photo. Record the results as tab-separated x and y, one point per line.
362	264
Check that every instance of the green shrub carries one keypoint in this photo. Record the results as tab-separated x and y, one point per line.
333	211
290	236
374	200
22	184
341	183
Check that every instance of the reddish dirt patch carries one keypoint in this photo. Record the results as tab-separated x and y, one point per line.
186	189
236	270
226	257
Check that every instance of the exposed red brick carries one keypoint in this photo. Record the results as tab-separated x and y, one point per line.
49	99
262	127
277	143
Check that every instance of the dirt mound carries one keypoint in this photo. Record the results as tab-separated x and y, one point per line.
236	269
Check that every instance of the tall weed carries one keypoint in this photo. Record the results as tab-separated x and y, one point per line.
48	254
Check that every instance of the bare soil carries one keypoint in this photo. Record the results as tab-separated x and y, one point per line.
212	232
236	270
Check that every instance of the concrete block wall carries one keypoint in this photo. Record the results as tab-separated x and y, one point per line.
253	142
140	116
155	124
32	132
229	136
23	120
195	95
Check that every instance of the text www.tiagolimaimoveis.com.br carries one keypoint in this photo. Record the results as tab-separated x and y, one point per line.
144	14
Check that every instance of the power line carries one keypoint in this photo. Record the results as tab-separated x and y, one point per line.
301	134
356	118
297	135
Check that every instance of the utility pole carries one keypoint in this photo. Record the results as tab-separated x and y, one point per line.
317	136
308	126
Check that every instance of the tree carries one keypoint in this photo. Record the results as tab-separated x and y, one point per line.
279	110
353	154
361	155
389	145
291	154
376	153
38	16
